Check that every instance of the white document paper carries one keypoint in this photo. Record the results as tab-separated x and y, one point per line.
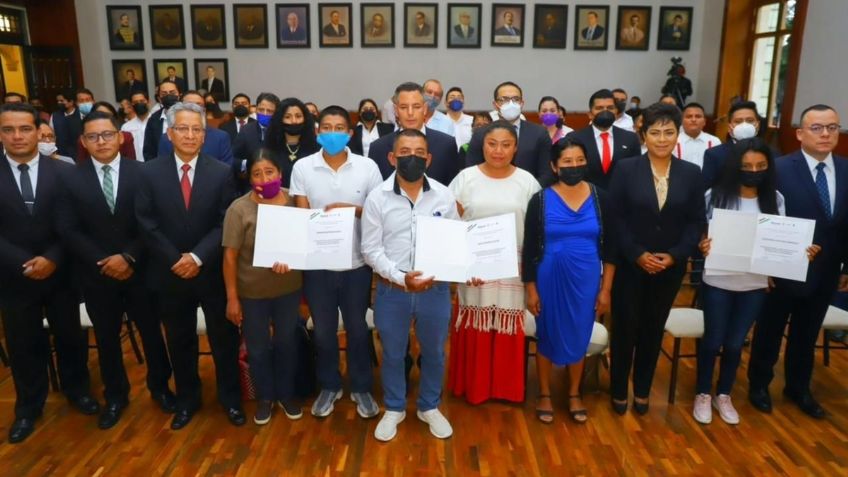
732	233
456	251
304	239
780	246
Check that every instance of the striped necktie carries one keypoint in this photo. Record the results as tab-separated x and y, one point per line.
108	187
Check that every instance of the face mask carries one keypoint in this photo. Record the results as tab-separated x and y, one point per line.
368	116
510	111
241	111
604	120
333	142
752	178
268	190
571	176
263	119
619	106
549	119
140	109
432	102
85	108
60	108
293	129
632	105
411	168
47	148
744	131
169	101
212	107
456	105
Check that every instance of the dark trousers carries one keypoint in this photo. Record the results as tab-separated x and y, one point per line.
106	307
179	315
640	306
807	316
728	315
29	348
272	356
349	291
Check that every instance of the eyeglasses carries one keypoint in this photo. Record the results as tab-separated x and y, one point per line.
105	135
817	129
184	130
506	99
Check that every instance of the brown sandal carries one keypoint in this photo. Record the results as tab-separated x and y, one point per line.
545	416
578	415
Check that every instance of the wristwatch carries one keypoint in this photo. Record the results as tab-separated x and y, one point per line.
129	258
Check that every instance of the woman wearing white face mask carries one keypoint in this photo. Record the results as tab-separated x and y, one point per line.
47	143
744	123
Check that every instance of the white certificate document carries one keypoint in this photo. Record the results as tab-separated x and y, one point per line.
780	246
456	251
304	239
732	233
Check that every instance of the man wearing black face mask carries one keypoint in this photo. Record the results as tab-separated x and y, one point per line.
605	143
241	116
622	120
169	95
137	125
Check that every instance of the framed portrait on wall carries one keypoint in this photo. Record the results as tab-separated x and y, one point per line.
377	24
174	70
508	24
675	30
124	24
550	23
167	28
250	25
420	22
211	75
634	28
335	23
293	25
591	27
130	77
207	26
464	20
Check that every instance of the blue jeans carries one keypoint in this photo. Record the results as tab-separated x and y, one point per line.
393	312
728	315
349	291
272	358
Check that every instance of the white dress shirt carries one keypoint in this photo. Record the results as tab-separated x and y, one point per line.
388	114
368	137
190	173
599	142
389	222
692	149
441	122
136	126
463	129
33	171
624	122
115	166
829	174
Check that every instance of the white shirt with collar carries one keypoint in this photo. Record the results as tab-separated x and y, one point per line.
389	222
829	174
624	122
114	171
368	136
441	122
314	179
193	163
692	149
136	126
463	129
33	171
599	142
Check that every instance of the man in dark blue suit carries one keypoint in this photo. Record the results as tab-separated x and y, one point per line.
744	123
251	137
814	184
67	124
169	94
411	112
216	143
180	206
293	32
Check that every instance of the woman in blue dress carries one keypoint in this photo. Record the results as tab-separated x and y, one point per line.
564	249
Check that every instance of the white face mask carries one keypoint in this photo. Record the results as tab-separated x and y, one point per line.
47	148
744	131
510	111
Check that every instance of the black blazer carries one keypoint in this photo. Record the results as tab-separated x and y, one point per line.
444	166
169	230
24	236
534	151
231	127
641	226
67	130
624	144
152	135
245	146
355	143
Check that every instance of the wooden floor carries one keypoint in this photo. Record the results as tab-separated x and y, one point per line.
493	439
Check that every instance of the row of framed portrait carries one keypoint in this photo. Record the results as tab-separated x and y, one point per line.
210	74
592	26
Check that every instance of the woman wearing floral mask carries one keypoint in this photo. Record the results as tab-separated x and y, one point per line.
552	117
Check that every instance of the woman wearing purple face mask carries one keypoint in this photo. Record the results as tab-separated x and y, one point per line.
552	117
261	298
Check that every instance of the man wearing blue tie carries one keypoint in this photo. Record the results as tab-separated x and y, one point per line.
814	184
507	28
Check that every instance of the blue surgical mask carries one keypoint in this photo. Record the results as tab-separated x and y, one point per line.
333	142
432	102
456	105
85	108
263	119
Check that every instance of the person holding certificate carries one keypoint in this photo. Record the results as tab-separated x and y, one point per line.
568	235
331	178
659	204
487	347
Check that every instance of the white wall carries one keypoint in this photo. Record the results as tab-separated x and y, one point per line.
345	75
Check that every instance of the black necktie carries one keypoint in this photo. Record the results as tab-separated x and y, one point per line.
26	188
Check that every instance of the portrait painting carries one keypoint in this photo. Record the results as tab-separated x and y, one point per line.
634	28
293	25
124	24
590	27
173	70
508	24
207	26
167	28
378	24
675	30
212	76
334	21
129	77
250	25
420	23
549	26
464	21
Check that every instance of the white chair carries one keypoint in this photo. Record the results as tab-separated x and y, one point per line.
681	323
836	319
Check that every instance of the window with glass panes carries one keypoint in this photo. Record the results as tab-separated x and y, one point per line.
770	57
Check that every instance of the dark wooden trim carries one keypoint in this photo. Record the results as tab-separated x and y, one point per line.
786	130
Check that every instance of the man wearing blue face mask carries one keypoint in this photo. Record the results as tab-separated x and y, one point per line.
251	137
68	126
331	178
455	101
437	120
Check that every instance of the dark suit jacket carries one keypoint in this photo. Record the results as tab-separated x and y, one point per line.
443	167
624	143
596	35
24	236
355	143
152	135
217	89
231	127
67	130
534	151
503	31
298	35
216	145
170	230
714	159
457	29
641	226
127	148
329	31
423	31
126	91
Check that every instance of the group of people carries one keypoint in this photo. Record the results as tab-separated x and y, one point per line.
156	221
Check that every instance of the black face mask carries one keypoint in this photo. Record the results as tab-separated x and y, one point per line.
241	111
60	108
140	109
620	105
294	129
368	116
604	119
169	100
571	176
411	168
752	178
210	106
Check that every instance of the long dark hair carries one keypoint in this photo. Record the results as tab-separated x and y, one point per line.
275	139
725	194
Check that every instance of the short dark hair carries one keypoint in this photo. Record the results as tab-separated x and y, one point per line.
104	104
815	107
456	89
310	102
563	144
12	93
548	98
506	83
334	110
481	115
270	97
84	91
694	105
176	86
365	101
635	97
600	94
661	113
143	93
619	90
742	105
20	108
410	133
240	95
407	87
171	67
194	92
263	154
97	115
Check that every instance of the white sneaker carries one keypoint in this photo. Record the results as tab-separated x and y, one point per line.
439	425
725	409
702	412
387	427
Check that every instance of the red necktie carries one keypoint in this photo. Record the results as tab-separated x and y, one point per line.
606	159
185	185
241	123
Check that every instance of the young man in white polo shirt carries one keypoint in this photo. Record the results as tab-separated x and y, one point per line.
694	142
335	177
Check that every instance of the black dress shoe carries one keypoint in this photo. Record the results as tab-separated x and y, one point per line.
641	408
21	429
807	404
181	419
236	416
620	408
166	400
110	416
760	399
85	404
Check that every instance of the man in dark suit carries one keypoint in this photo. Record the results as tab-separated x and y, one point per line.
34	275
169	94
534	144
814	184
251	137
241	116
293	31
593	31
675	33
507	28
411	113
216	144
213	85
131	85
463	31
744	122
180	205
422	28
173	78
605	144
99	227
334	28
67	125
